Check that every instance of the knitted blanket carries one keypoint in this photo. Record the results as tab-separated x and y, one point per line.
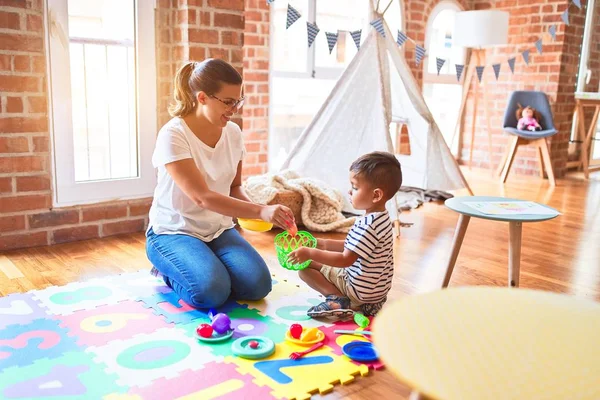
321	206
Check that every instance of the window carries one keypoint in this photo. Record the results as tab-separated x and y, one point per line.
442	92
103	103
302	77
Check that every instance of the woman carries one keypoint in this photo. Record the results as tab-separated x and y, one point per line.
191	238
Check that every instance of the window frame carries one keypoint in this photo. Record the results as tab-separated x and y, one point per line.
66	191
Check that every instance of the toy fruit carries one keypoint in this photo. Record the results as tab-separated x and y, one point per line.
309	334
204	330
361	320
253	344
296	331
221	323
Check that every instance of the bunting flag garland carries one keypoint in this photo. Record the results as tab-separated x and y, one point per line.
356	37
401	38
419	54
378	25
511	64
496	68
526	56
439	63
552	31
538	45
313	31
292	16
459	71
331	40
565	16
480	69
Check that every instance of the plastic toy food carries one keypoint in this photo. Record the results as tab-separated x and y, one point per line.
309	334
221	323
296	331
204	330
361	320
253	344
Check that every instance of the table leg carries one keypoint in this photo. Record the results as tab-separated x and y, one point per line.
459	235
514	252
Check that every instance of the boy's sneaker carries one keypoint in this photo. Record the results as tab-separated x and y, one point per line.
324	310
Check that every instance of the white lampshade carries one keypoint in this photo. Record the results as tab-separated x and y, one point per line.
481	28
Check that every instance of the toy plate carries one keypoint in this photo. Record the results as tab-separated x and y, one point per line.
289	338
360	351
241	347
216	337
255	225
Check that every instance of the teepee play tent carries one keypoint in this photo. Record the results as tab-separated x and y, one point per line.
376	89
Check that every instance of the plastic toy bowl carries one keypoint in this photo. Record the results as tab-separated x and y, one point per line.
255	225
241	347
216	337
318	337
360	351
285	244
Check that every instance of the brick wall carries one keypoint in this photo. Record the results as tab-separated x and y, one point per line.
186	29
554	72
256	78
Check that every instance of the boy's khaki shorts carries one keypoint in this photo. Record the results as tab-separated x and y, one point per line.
337	276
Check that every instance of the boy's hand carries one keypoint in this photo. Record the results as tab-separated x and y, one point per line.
300	255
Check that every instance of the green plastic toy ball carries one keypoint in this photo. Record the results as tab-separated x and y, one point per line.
285	244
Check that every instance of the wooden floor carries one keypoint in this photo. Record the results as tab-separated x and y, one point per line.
561	255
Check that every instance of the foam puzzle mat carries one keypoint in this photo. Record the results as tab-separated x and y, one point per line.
130	337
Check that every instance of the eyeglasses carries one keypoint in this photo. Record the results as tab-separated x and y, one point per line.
233	105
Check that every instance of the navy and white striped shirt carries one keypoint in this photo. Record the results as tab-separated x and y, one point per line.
372	238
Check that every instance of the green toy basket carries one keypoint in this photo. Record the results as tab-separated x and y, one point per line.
285	244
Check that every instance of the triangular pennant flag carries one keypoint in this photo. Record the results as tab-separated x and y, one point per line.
565	16
552	31
439	63
577	3
292	16
511	64
356	37
459	71
331	40
401	38
419	54
312	31
496	70
378	25
538	45
526	56
480	69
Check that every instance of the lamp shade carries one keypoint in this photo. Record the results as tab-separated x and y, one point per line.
481	28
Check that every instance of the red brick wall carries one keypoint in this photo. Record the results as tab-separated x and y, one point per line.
256	78
186	29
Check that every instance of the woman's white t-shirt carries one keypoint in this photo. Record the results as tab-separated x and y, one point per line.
172	212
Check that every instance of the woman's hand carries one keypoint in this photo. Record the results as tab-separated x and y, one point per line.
279	215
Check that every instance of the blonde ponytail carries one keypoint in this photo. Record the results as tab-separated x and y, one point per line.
185	101
194	77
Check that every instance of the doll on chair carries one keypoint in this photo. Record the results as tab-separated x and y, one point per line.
528	119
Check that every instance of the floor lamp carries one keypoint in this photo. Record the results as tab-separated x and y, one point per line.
478	30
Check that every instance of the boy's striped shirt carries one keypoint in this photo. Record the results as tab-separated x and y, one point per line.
372	238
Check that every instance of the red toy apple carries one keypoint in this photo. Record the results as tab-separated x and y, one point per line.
204	330
296	331
253	344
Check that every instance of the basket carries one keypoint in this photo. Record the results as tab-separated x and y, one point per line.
285	244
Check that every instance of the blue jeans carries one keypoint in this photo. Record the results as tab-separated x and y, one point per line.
206	274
